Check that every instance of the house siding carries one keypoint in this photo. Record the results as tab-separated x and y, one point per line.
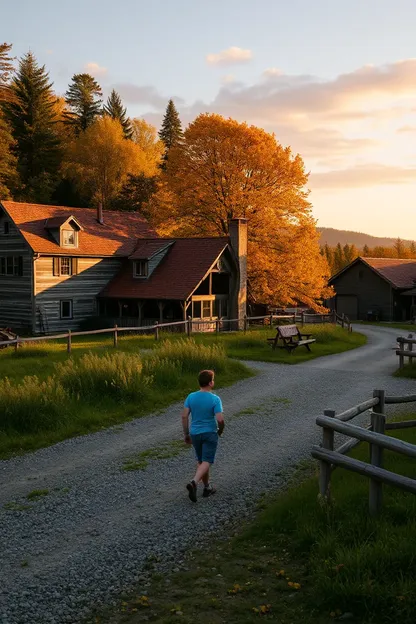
82	289
15	290
372	292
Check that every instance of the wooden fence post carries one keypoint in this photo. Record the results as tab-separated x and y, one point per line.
115	337
343	320
189	326
302	314
401	348
271	319
410	347
325	467
378	421
69	345
217	326
16	344
156	330
245	323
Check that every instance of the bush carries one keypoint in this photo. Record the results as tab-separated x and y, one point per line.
32	406
118	376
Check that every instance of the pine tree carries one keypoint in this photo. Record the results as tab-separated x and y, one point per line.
116	110
8	172
339	260
83	98
31	116
171	131
6	70
366	251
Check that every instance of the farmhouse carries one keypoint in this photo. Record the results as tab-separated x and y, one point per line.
66	268
376	288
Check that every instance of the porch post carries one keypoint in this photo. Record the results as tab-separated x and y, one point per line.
120	309
139	310
161	305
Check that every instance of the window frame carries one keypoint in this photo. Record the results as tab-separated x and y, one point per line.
11	266
67	266
71	309
145	265
74	234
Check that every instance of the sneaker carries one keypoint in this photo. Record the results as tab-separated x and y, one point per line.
208	491
191	487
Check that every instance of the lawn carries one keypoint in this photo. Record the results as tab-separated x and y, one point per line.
409	371
46	396
300	562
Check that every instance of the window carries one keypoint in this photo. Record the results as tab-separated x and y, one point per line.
196	312
140	268
6	228
65	266
68	238
11	265
66	309
206	309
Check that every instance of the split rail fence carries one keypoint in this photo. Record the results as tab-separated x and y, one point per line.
402	352
188	327
374	434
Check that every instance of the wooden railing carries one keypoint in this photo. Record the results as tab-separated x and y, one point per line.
402	352
189	326
374	434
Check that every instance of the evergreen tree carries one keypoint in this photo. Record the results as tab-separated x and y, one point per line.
116	110
8	173
6	70
31	116
339	261
171	131
366	251
136	193
83	98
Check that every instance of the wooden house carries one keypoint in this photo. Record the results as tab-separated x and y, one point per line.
376	289
66	268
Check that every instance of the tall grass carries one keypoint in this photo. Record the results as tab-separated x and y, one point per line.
193	356
32	405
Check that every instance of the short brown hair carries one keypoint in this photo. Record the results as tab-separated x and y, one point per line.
205	377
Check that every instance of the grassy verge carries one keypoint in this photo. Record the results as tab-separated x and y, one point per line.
300	562
409	371
92	390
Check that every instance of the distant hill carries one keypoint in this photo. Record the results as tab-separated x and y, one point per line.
332	237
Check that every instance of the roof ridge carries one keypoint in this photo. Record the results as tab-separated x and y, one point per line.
124	212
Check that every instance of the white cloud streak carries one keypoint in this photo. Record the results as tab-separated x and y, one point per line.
231	56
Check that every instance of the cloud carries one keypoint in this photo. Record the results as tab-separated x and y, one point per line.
231	56
95	69
146	94
404	129
362	176
272	71
228	79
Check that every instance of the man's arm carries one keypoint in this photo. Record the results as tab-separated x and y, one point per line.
185	424
220	420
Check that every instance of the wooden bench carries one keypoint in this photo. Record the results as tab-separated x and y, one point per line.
291	338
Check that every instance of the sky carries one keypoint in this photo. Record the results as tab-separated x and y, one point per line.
336	81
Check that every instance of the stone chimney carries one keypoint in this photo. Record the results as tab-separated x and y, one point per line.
237	229
100	217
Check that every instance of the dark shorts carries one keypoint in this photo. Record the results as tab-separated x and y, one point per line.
205	445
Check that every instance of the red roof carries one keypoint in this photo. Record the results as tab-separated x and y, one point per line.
117	236
148	247
400	273
186	263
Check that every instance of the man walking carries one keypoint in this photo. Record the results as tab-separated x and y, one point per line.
207	423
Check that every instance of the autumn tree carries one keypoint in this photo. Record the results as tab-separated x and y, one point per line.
224	170
366	251
32	120
100	159
171	130
8	161
83	99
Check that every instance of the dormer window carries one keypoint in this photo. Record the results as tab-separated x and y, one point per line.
68	238
140	268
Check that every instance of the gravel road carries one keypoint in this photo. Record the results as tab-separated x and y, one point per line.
91	536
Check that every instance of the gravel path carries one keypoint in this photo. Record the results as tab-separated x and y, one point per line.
90	538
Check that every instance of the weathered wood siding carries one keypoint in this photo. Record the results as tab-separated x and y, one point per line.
15	290
372	292
82	289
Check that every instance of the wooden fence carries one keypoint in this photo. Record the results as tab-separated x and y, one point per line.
374	434
402	352
189	326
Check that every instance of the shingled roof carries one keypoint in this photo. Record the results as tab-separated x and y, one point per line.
186	263
117	236
398	272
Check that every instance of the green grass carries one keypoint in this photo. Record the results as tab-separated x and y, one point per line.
300	561
97	388
409	371
37	494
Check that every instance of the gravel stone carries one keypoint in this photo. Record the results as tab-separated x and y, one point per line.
113	528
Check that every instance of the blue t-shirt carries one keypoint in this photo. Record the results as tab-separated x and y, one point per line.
203	406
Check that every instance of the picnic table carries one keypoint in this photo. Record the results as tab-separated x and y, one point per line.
291	338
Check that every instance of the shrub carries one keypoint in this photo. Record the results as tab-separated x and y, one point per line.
32	406
118	376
